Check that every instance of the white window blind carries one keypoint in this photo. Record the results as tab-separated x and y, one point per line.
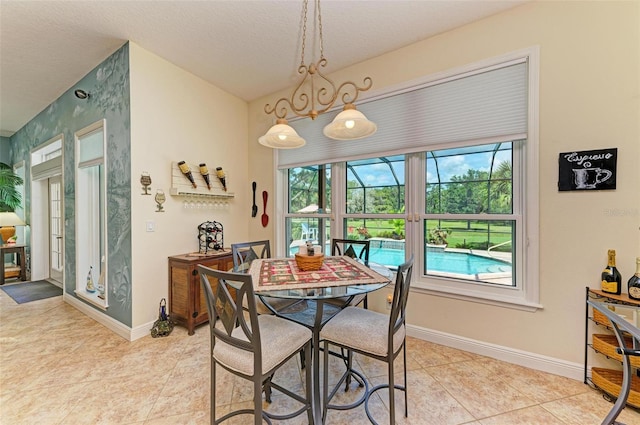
47	169
487	104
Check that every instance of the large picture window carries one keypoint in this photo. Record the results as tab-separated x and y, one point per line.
450	177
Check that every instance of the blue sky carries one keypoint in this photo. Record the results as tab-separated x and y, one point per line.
379	174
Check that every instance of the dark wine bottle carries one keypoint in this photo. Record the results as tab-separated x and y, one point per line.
611	278
186	170
633	286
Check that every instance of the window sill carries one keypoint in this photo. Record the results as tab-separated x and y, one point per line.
513	301
92	298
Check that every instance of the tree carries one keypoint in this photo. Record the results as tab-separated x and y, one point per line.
10	197
501	190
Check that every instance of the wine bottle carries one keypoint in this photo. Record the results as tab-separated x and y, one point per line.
184	167
222	178
205	174
633	286
611	278
90	287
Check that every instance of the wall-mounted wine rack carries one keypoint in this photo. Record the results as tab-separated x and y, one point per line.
181	186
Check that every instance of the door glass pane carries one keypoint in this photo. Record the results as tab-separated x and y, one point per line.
55	226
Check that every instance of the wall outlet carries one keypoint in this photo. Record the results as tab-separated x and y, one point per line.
151	226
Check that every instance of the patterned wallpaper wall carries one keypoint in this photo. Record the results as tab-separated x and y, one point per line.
108	88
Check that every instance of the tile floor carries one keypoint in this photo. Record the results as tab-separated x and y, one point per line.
57	366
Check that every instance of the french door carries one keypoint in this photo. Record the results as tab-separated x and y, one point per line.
56	258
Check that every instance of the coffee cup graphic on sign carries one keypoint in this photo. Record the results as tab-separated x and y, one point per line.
589	178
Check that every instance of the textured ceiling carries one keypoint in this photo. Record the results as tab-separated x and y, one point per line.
248	48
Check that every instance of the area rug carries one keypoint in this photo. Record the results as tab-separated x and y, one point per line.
31	291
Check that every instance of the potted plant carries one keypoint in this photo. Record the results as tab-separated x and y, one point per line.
437	237
10	199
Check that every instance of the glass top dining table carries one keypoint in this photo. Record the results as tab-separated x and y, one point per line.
320	295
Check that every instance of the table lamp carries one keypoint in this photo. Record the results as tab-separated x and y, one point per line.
7	222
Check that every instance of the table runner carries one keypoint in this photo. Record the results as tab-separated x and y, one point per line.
281	274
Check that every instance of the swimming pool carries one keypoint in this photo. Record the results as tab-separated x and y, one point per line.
439	261
444	261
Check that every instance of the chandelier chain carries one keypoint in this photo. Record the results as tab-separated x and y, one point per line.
304	32
315	93
320	29
318	16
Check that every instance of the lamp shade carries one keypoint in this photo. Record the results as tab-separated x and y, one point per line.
281	136
350	124
10	219
7	221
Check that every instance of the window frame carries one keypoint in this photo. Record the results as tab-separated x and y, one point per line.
525	294
91	188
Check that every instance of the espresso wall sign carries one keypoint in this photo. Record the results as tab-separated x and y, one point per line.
588	170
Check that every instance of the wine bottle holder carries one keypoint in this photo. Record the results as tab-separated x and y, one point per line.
210	237
181	186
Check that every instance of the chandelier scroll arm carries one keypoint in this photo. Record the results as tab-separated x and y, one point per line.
346	99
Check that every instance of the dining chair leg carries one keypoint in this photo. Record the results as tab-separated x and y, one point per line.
267	389
257	400
212	395
325	381
392	397
309	383
406	386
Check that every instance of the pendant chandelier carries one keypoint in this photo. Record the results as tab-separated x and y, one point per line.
314	95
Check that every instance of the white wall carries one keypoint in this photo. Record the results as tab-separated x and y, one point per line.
589	99
177	116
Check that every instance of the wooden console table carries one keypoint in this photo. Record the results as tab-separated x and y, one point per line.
187	303
20	261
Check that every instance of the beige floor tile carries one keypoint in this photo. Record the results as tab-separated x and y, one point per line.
482	392
58	366
539	386
534	415
589	408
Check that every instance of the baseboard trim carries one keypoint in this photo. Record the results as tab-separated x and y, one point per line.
100	317
130	334
507	354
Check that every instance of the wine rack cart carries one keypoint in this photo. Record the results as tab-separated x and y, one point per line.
621	342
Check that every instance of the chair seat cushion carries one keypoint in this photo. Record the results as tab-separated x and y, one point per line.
363	330
279	339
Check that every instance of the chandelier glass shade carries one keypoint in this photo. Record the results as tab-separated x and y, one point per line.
281	136
316	94
350	124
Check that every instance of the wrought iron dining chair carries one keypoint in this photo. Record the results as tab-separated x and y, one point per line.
375	335
243	254
356	249
249	345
